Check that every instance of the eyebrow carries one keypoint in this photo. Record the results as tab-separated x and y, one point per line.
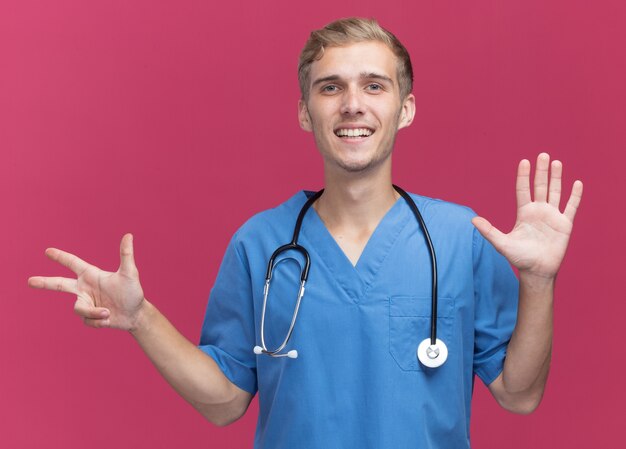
376	76
362	75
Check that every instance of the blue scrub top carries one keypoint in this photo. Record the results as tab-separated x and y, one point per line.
357	381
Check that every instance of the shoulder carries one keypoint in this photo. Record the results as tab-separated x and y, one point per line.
272	221
439	211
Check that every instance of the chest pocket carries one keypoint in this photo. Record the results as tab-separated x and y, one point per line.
409	324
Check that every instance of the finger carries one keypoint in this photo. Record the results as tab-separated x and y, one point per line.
98	324
74	263
522	184
86	311
490	232
541	177
574	200
127	256
556	171
59	284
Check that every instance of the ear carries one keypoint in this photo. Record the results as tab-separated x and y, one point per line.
304	117
407	114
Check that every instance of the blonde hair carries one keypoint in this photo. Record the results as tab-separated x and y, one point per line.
348	31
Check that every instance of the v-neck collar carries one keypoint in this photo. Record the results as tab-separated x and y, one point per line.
357	279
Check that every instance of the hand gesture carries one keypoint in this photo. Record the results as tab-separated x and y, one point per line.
537	243
104	299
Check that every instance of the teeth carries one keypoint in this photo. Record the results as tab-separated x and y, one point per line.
359	132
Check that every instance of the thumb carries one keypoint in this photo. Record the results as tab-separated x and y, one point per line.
127	258
489	232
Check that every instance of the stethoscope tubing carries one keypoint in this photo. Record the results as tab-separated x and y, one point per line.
304	276
433	262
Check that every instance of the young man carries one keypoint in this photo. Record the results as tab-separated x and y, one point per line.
357	380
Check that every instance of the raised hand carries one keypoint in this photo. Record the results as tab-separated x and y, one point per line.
537	243
104	299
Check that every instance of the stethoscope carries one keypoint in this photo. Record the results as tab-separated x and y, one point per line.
432	352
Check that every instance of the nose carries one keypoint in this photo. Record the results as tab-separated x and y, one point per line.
352	102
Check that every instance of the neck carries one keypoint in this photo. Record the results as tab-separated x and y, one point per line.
357	201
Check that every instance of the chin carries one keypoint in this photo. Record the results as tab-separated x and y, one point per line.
355	168
358	166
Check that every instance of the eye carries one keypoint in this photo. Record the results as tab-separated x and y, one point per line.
374	87
330	89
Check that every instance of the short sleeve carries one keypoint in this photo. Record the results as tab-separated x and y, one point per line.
228	328
496	295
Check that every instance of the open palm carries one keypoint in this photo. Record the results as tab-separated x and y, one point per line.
538	241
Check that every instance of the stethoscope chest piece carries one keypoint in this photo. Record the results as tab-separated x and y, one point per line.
432	356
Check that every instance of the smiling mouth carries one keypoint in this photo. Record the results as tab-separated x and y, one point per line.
353	133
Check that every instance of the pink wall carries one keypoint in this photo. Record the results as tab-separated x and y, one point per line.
177	121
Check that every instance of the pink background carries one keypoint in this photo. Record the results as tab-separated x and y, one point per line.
177	120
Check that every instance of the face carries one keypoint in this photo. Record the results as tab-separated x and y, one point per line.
354	107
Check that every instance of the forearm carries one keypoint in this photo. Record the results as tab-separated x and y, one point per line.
522	382
192	373
530	347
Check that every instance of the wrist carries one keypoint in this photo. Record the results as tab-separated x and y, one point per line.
142	319
536	284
